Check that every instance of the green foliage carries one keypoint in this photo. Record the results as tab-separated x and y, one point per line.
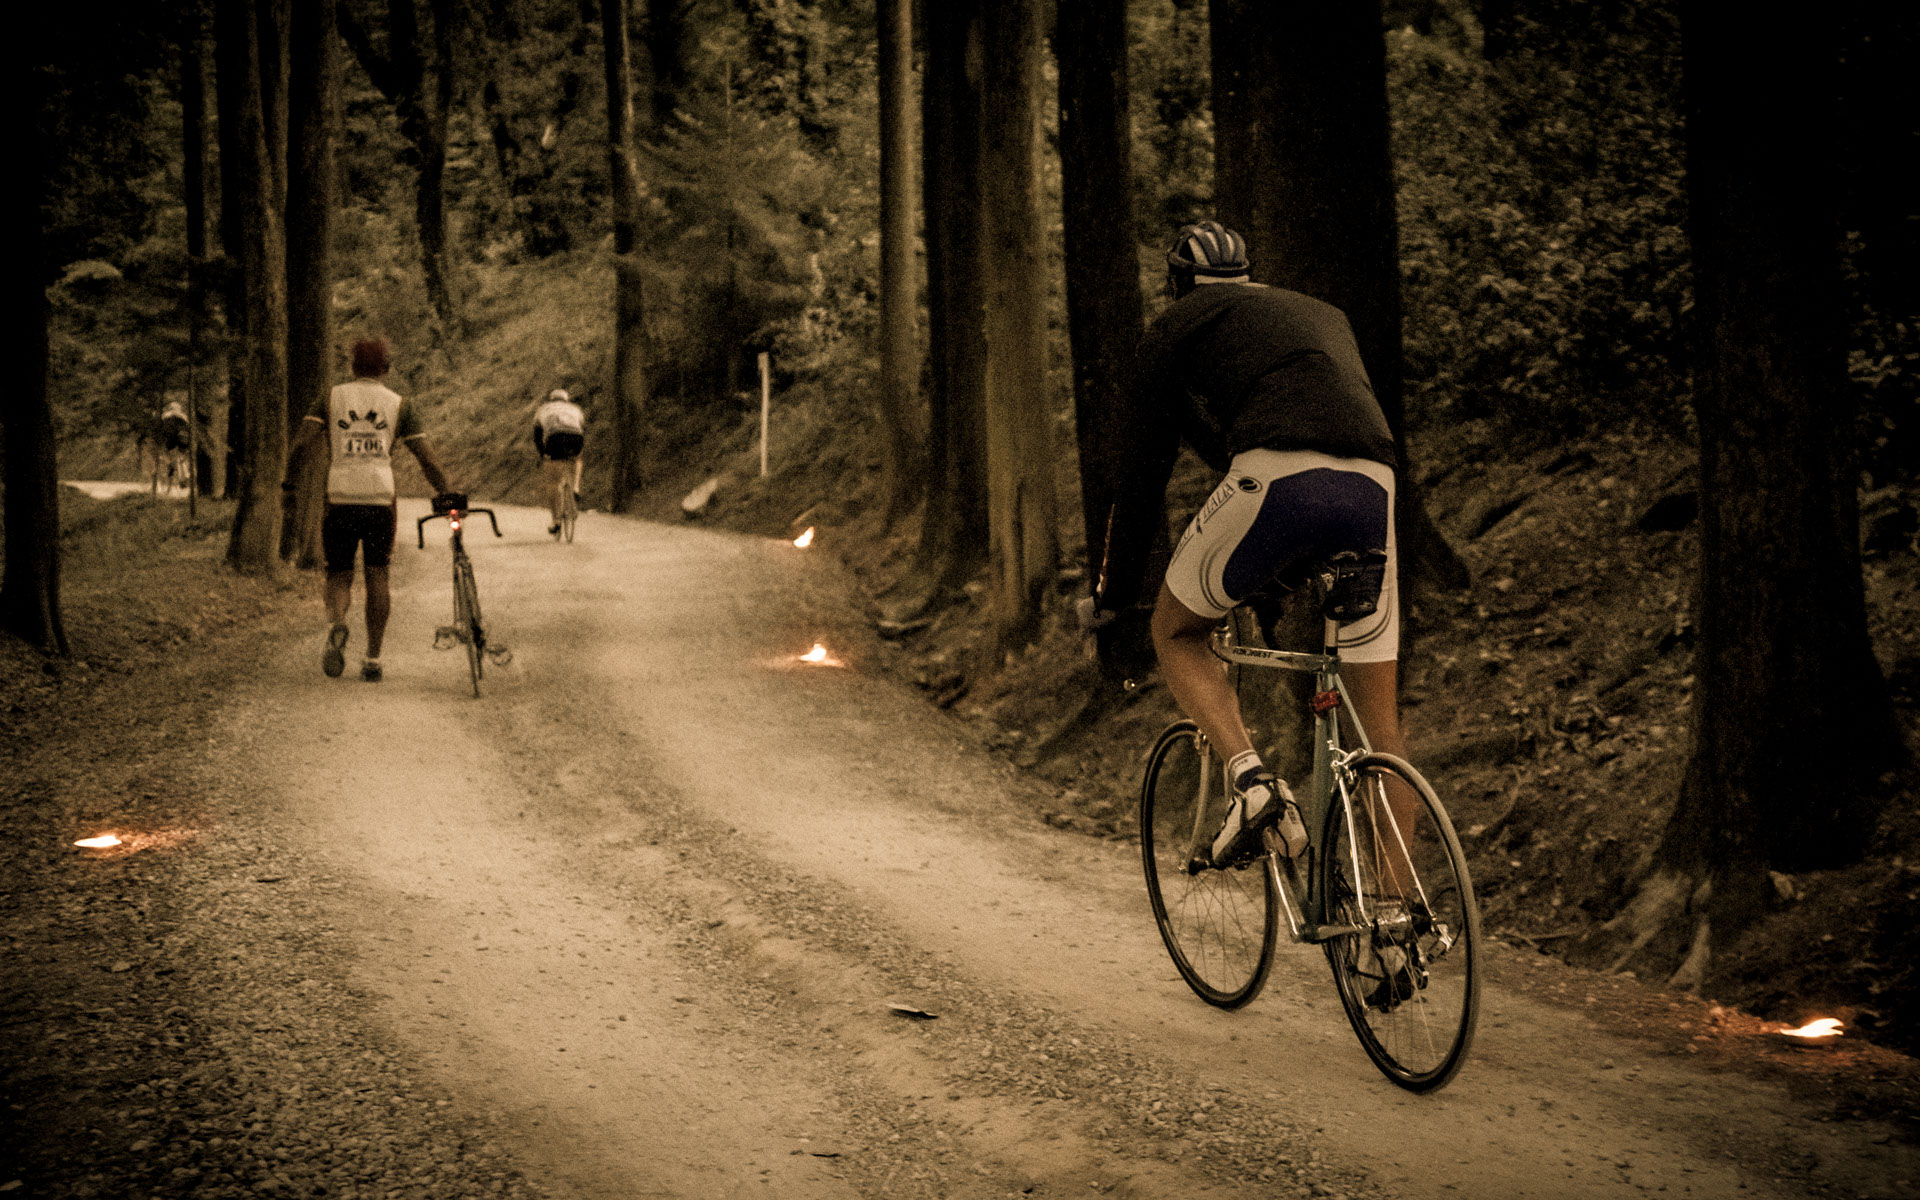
1172	101
1544	265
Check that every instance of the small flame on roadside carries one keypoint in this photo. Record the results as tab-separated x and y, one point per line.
805	540
99	843
816	655
1825	1027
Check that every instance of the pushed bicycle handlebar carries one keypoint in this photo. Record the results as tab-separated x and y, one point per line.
420	526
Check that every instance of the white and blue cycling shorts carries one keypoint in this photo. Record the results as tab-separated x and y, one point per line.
1279	513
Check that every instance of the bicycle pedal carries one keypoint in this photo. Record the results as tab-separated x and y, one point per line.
446	637
500	656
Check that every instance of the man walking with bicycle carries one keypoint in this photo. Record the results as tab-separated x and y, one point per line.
1267	386
359	421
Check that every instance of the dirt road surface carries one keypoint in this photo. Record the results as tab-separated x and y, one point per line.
646	904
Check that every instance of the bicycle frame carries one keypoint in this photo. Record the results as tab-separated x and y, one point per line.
1306	915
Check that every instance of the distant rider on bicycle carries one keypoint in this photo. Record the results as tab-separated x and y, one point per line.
559	432
360	421
1267	386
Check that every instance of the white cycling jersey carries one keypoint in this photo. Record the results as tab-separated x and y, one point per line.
559	416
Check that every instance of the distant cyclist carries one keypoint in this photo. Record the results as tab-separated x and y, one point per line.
360	422
1267	386
559	432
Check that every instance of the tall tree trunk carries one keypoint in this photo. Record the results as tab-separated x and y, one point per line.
629	297
668	39
230	50
899	297
193	141
1023	515
30	590
1792	726
421	86
1104	305
1301	167
311	189
275	18
255	542
950	550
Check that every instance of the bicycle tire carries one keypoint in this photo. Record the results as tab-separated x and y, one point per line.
569	514
1418	1024
466	618
1219	926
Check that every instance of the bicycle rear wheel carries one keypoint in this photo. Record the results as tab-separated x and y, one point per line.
1219	926
569	513
466	619
1410	978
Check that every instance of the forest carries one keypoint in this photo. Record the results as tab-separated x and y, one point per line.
1634	284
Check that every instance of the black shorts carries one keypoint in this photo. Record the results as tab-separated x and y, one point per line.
561	447
347	526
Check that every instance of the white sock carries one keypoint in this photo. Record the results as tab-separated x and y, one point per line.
1241	765
369	662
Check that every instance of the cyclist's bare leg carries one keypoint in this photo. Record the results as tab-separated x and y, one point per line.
1374	689
379	605
338	593
577	467
1196	676
554	474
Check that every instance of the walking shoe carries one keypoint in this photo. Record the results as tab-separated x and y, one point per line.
370	670
1264	801
334	659
554	529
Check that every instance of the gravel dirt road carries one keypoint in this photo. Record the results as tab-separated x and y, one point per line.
632	924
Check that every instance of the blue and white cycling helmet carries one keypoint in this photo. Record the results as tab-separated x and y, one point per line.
1208	250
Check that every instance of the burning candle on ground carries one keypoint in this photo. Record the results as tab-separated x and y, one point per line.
99	843
805	539
1824	1027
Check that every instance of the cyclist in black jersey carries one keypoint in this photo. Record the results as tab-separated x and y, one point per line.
1267	386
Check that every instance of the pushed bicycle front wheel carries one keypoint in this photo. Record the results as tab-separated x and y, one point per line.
466	619
1219	926
1408	967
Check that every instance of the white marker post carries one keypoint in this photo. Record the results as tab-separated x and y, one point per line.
766	405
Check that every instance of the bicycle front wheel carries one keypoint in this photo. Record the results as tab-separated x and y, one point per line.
466	618
1219	926
1408	968
568	515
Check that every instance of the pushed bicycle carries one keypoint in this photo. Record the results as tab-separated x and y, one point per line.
1382	886
469	628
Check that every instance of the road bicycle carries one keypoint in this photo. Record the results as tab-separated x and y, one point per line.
1382	887
469	629
569	513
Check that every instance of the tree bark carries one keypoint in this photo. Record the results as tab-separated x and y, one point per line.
1792	725
311	190
230	49
255	542
629	300
30	590
1105	310
422	95
1302	169
193	113
667	40
1023	516
899	297
950	550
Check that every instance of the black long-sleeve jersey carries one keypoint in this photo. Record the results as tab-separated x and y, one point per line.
1229	368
